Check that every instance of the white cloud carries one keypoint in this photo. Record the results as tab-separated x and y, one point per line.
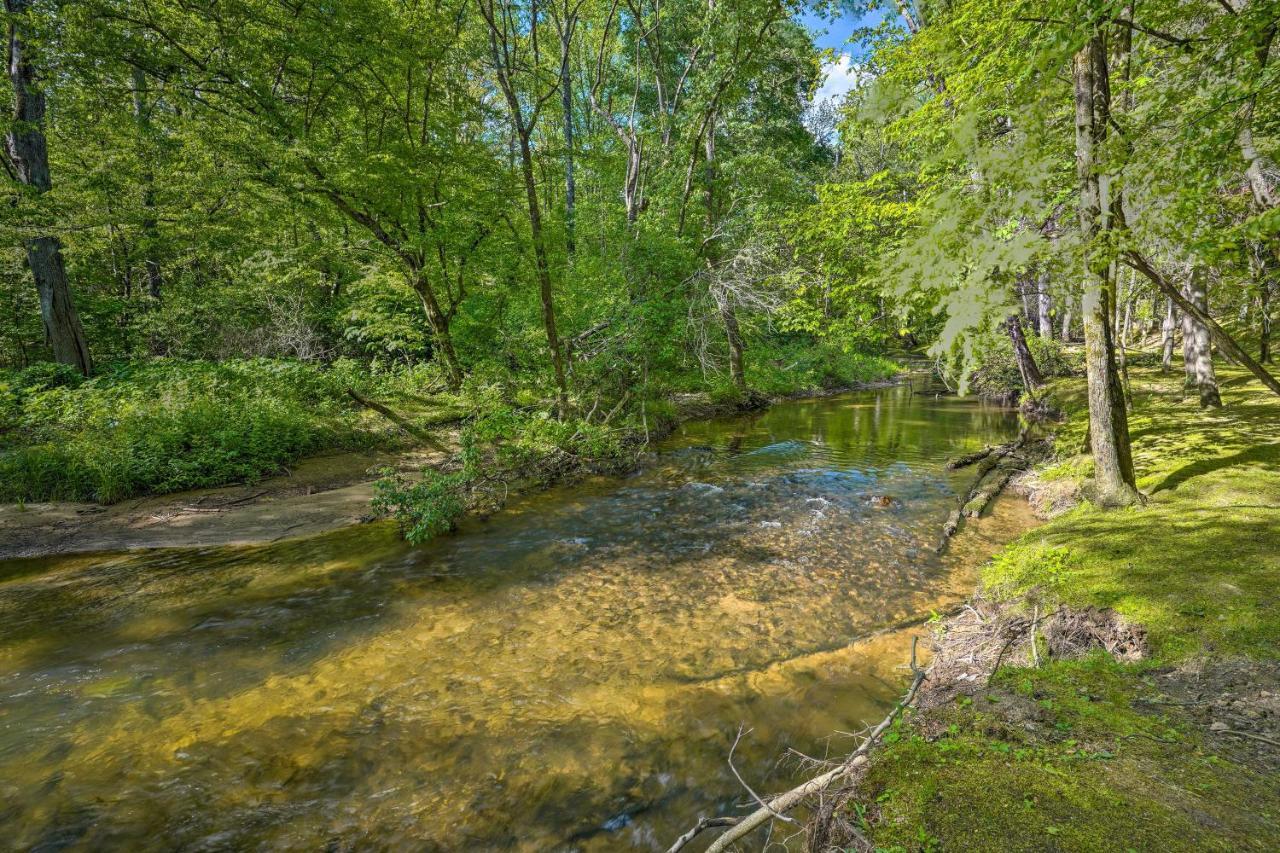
842	77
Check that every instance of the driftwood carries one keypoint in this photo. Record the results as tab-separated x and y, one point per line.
397	419
969	458
986	490
779	804
995	467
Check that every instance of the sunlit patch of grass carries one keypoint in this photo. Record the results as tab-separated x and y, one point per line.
1198	566
1087	770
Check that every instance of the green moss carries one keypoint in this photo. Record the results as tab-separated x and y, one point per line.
1092	767
1199	564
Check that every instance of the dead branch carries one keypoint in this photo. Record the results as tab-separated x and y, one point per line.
743	782
703	823
397	419
786	801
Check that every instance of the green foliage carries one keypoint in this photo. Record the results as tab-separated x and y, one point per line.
994	371
427	508
804	366
502	448
170	425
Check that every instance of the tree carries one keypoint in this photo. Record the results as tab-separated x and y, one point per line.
28	163
515	53
1115	482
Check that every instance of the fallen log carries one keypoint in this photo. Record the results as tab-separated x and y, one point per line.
996	466
397	419
991	487
781	803
953	524
969	458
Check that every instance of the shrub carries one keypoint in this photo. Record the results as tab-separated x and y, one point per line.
995	373
169	425
501	448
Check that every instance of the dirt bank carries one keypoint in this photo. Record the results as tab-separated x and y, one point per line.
319	494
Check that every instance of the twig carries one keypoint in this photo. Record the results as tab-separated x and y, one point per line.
703	823
1035	652
789	799
1251	736
743	782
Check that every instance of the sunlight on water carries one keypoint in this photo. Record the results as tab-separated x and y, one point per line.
568	674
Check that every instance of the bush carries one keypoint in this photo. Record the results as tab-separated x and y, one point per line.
170	425
810	366
995	373
501	448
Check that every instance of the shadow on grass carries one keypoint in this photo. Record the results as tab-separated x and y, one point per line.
1257	454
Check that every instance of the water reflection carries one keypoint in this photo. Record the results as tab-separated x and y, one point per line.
567	674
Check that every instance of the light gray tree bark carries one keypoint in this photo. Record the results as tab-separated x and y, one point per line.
1197	350
1167	329
1045	303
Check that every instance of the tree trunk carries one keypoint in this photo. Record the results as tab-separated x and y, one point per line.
1166	331
1046	306
1066	322
1197	345
1031	376
1030	311
29	153
150	238
728	313
1225	342
1115	483
544	272
566	105
441	339
1264	310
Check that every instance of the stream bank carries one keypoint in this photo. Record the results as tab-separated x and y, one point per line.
1116	684
318	495
566	673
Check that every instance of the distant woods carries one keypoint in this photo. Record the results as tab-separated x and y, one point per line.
569	200
562	192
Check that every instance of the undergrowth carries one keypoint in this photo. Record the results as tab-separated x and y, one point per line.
169	425
503	449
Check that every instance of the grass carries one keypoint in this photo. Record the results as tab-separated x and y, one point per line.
168	425
1198	567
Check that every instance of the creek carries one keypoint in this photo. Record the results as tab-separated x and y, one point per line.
567	674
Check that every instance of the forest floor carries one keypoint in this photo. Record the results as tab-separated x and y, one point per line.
1147	714
318	494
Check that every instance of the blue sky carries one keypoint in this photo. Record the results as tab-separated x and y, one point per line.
841	74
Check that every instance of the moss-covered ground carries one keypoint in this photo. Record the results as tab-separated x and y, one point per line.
1098	755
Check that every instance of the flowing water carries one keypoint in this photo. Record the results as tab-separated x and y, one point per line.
568	674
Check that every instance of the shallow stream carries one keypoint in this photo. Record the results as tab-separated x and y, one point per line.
568	674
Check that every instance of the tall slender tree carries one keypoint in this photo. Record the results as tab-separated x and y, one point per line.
28	162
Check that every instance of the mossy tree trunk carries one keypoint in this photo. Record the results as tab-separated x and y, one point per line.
1115	483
